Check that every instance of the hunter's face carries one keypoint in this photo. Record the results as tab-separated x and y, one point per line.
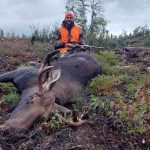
69	20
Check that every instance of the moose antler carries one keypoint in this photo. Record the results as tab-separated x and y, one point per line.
40	76
46	61
54	75
49	56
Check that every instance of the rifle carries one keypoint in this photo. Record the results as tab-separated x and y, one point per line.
54	55
82	47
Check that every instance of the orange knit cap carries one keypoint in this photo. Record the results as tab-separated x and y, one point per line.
69	14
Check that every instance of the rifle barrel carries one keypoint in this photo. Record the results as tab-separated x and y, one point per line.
93	46
88	46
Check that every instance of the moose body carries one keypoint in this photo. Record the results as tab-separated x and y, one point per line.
76	70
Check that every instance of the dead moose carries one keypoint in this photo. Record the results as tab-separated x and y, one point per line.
39	98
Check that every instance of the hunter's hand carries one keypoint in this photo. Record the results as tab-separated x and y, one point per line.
82	47
59	44
69	45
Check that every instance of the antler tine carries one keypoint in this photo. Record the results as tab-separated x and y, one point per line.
40	76
49	56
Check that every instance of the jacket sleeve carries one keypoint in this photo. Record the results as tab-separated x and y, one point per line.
57	44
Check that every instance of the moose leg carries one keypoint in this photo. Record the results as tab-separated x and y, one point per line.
71	123
59	108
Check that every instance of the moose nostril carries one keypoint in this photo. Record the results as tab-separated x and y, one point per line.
31	102
57	100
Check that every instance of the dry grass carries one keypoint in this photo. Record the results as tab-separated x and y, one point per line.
14	53
15	48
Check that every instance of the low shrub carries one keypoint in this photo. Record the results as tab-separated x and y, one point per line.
124	98
110	62
10	93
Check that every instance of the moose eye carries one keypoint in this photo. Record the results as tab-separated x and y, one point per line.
37	94
29	102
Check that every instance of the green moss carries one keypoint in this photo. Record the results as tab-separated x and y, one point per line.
10	93
12	98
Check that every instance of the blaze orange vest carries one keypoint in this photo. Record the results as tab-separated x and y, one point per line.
74	36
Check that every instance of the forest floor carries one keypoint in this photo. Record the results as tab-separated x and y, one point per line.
100	134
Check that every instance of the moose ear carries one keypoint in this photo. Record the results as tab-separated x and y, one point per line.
54	75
